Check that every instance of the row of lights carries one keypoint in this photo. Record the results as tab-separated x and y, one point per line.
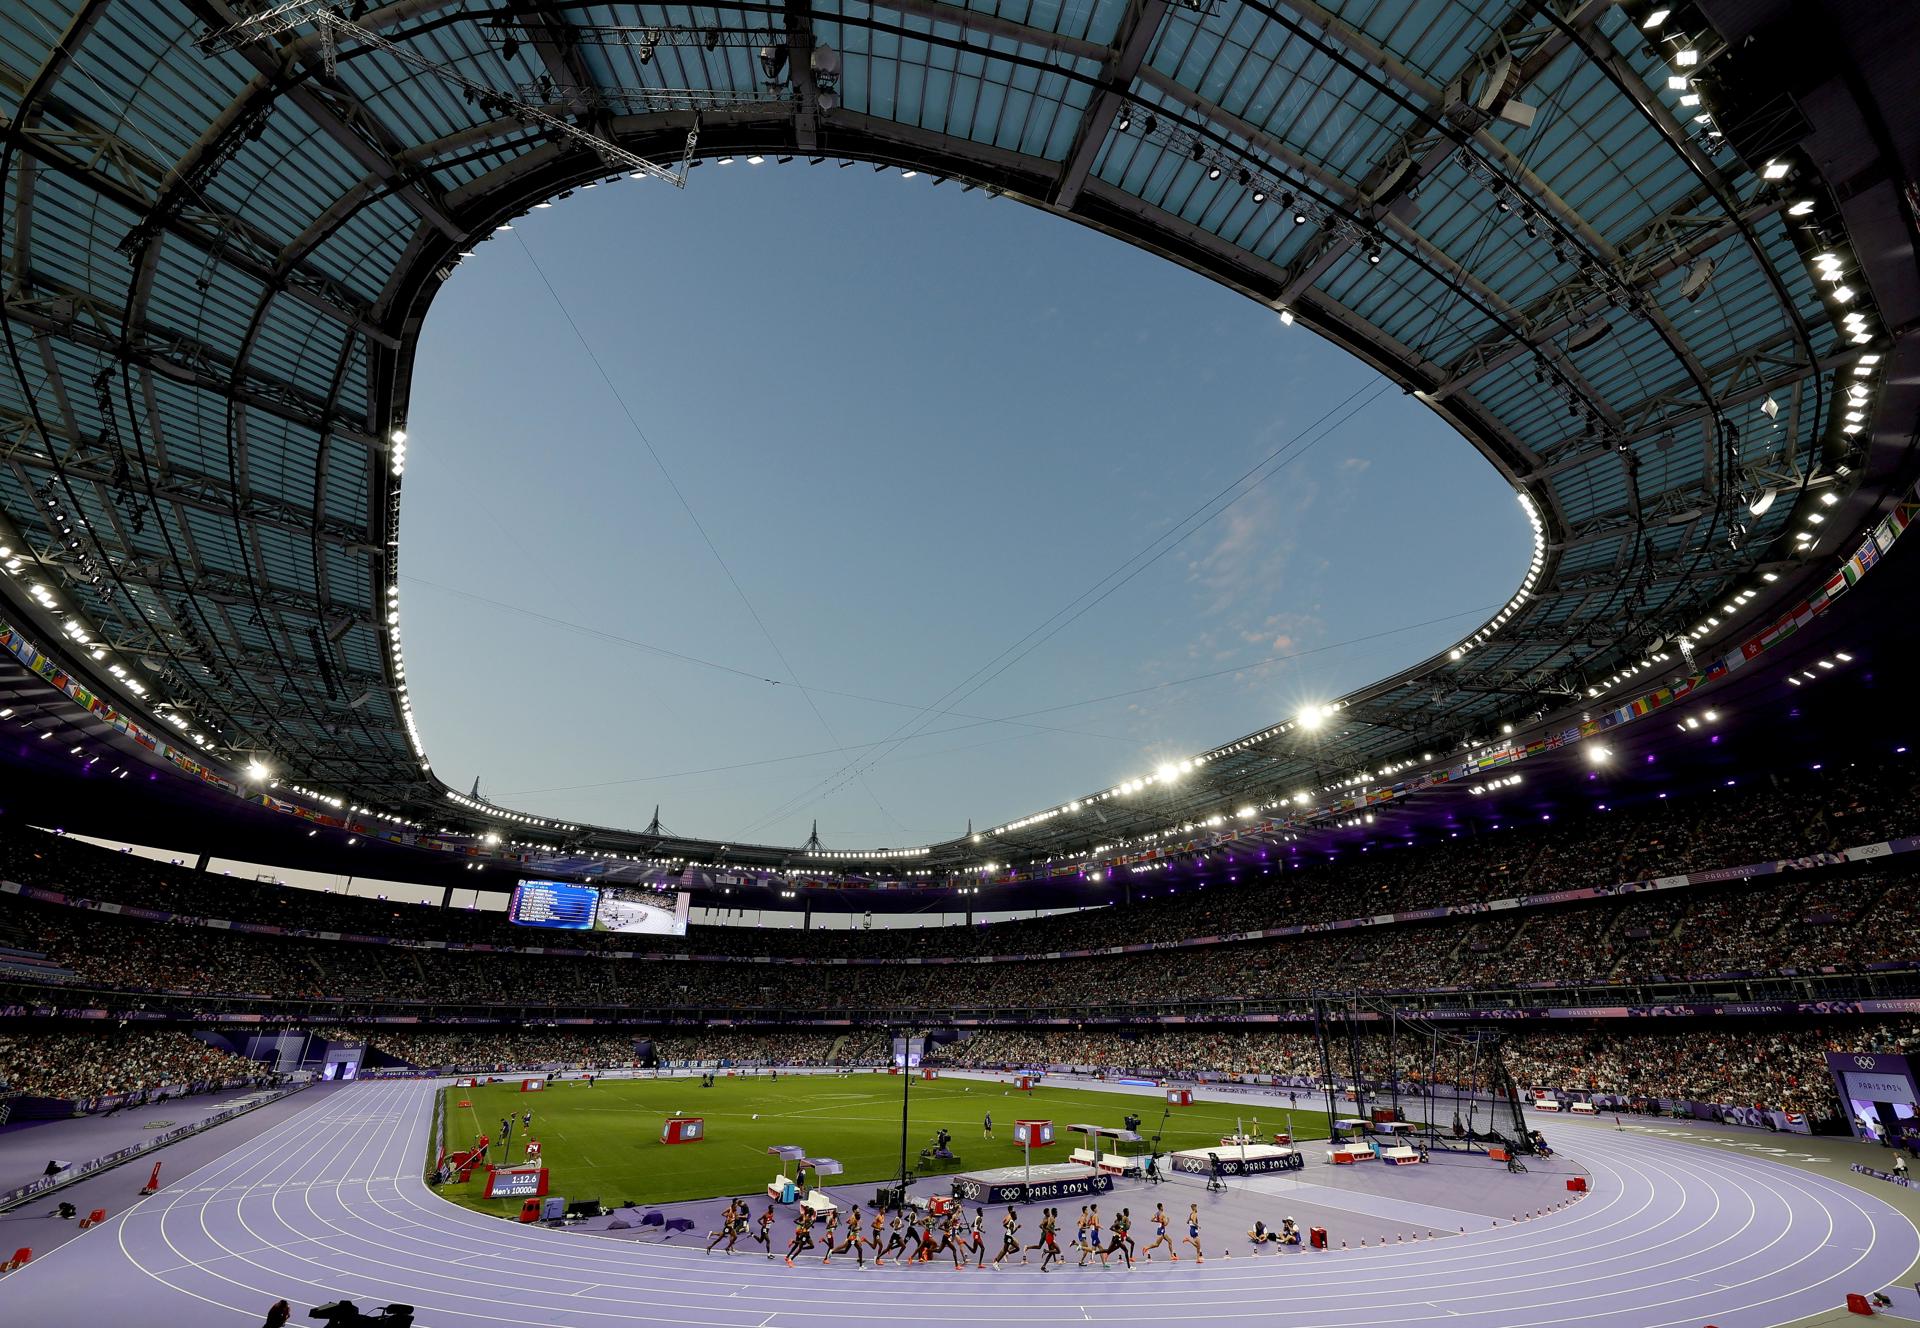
1692	722
488	809
1827	266
1511	781
1521	596
397	463
1310	718
1824	665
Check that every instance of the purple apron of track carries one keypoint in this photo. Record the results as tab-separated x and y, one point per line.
330	1204
33	1225
27	1146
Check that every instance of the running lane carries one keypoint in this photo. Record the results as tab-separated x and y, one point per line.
330	1204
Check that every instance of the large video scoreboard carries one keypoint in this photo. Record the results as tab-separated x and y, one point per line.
565	907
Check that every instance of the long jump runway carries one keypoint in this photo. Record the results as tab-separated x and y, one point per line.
331	1203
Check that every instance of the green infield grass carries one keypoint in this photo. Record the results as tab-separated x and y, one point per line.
604	1142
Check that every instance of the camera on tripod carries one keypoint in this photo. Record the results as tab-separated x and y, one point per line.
346	1314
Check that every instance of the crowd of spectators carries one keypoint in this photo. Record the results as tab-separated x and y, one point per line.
579	1049
103	1063
1788	815
1735	1065
1740	1064
857	1047
1767	926
1838	920
489	1048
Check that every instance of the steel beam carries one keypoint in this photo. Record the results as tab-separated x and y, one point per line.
1138	29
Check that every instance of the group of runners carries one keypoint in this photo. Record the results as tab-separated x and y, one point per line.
922	1238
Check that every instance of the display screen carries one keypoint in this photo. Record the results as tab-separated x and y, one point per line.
642	912
553	904
516	1184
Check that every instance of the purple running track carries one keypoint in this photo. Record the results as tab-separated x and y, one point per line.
331	1203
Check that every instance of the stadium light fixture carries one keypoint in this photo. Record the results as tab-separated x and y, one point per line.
257	771
1598	756
1652	22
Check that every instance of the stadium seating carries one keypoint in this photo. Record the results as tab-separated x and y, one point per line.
1786	816
1846	925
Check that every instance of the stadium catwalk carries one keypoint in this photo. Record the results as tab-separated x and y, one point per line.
330	1203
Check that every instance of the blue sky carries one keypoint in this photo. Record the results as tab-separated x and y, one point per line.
910	426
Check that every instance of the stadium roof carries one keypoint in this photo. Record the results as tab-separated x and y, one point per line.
1639	260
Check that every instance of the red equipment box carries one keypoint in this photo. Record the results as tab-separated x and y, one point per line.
940	1205
684	1130
532	1085
1317	1237
1025	1083
929	1074
1578	1184
1179	1097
